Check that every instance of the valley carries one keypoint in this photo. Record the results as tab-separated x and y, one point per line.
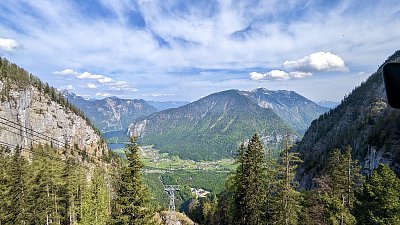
218	112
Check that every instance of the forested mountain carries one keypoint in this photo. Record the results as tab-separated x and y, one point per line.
32	113
210	128
364	121
293	108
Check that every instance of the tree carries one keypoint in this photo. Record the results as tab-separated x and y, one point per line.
379	200
95	200
286	202
17	189
74	178
249	198
332	199
46	187
5	201
132	198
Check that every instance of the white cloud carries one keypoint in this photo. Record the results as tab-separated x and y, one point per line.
103	94
278	75
91	86
318	61
160	94
87	75
101	79
105	80
9	45
67	87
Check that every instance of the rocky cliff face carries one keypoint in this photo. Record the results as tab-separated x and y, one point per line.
29	116
364	121
112	113
293	108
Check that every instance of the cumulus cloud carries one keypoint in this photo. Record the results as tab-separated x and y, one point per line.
101	79
318	61
9	45
279	75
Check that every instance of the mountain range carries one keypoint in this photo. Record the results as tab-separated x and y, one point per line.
112	113
213	126
364	121
293	108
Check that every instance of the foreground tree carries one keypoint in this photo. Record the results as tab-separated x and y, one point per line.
379	200
132	197
249	198
331	202
95	200
285	204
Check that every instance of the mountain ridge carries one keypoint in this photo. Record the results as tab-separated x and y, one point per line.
364	121
113	113
217	123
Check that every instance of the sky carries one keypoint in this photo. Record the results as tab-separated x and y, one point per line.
186	49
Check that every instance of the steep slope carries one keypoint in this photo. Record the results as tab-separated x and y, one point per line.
210	128
295	109
364	121
31	112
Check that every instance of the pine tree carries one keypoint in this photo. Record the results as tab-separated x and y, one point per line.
132	197
95	200
17	189
334	196
46	187
286	206
249	198
74	179
379	200
270	183
5	200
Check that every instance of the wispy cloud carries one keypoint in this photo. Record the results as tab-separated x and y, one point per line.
140	42
103	95
91	86
101	79
279	75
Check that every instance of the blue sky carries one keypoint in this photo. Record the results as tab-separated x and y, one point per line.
186	49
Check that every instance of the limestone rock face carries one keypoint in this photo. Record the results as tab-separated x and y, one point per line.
27	113
364	121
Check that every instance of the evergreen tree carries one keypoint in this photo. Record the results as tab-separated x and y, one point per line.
17	190
5	201
95	200
379	200
249	198
270	183
334	196
132	196
74	179
46	187
286	203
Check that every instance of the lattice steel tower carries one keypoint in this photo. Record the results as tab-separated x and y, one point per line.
170	189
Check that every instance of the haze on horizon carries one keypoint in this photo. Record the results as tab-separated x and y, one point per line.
183	50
